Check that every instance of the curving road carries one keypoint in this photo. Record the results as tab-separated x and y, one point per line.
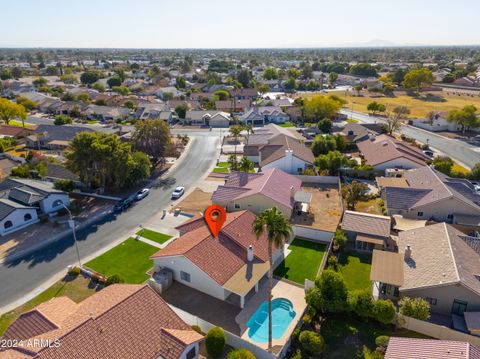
22	276
461	151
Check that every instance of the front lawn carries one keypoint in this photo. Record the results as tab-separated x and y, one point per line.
286	124
303	261
154	236
221	170
355	270
76	288
345	336
223	164
130	259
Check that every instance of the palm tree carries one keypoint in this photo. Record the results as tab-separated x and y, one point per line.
249	128
278	230
235	132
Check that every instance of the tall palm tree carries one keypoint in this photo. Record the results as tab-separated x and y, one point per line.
278	230
249	128
235	132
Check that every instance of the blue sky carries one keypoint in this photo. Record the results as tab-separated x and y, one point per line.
241	23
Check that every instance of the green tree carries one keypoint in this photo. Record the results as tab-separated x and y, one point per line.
69	79
277	229
323	144
17	72
290	84
417	308
121	90
64	185
129	104
465	117
235	132
325	125
153	138
244	77
181	110
312	342
418	78
98	86
240	354
374	107
270	73
363	70
62	120
89	77
332	77
361	303
475	172
443	164
263	88
319	107
215	341
330	293
384	311
354	193
233	162
245	164
114	81
10	111
26	102
339	239
39	82
180	83
332	162
222	94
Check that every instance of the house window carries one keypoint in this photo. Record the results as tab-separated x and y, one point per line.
8	224
192	353
419	214
459	307
27	217
237	205
185	276
432	301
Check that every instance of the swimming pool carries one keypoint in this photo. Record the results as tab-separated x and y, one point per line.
282	315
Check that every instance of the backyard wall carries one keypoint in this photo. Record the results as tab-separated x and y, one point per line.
319	179
438	331
312	234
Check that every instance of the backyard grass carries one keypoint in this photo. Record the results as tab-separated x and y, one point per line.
355	270
76	288
130	259
371	206
345	336
154	236
303	262
419	106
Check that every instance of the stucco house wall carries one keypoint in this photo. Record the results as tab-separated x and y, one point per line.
17	218
397	163
50	203
289	164
256	203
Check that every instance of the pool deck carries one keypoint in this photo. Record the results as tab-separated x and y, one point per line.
281	289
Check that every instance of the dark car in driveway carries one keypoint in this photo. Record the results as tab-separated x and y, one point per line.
122	204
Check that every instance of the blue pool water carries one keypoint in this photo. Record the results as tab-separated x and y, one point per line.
282	315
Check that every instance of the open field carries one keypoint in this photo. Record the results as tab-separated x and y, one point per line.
302	262
76	288
130	259
419	107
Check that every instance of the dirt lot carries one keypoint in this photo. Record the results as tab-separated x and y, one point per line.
195	202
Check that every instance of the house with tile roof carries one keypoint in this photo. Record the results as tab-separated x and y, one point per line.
383	152
264	115
121	321
15	216
368	231
210	118
429	194
53	137
402	348
438	263
358	132
258	191
228	267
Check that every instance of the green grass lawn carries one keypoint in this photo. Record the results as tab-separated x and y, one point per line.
221	170
76	288
286	124
130	259
302	262
345	336
154	236
223	164
355	270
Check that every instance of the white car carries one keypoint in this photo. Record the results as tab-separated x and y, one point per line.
178	192
142	194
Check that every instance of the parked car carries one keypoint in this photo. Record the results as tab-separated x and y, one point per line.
178	192
122	204
142	194
429	153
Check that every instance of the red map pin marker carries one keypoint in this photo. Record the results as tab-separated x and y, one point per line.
215	217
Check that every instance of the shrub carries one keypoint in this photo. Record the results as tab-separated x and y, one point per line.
115	278
295	333
62	120
306	319
74	271
417	308
240	354
382	341
333	263
361	303
384	311
64	185
312	342
197	329
215	342
339	239
297	355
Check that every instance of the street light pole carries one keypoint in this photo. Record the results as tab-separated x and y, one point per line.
71	224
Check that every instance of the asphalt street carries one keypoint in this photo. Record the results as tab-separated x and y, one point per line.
20	276
459	150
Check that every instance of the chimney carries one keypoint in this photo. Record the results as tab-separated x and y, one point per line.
292	191
408	252
250	253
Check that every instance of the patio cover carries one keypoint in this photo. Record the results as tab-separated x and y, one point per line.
472	320
467	220
387	267
303	197
405	224
245	279
383	182
369	239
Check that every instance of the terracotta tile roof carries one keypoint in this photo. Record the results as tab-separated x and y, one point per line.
276	147
128	321
366	223
273	183
384	148
29	325
409	348
221	257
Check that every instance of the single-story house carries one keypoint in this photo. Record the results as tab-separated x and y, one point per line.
120	321
258	191
106	113
438	263
15	216
429	194
383	152
402	348
368	231
358	132
264	115
438	122
210	118
53	137
15	132
245	94
229	267
233	105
